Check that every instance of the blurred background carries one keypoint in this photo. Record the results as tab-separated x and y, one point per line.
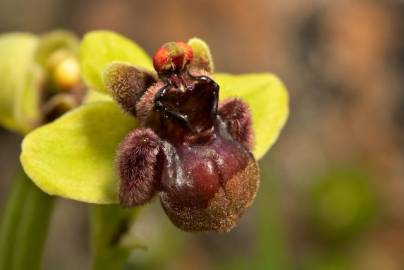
332	194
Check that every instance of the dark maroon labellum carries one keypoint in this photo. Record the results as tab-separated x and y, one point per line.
194	152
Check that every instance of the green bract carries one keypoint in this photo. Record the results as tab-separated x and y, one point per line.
74	157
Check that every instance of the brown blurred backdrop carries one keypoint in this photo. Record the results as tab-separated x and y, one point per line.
333	185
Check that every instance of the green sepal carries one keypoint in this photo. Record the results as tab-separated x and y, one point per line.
268	100
20	82
100	48
74	157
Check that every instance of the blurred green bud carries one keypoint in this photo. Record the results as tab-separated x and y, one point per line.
343	202
66	73
34	69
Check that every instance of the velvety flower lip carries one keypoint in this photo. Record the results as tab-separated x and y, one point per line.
74	157
189	149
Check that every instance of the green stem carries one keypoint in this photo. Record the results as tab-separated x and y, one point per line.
272	247
110	239
24	226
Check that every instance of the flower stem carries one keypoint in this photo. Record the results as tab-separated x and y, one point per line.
272	247
24	225
110	238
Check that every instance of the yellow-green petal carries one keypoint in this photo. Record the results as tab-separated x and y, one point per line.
100	48
202	57
19	84
268	100
74	157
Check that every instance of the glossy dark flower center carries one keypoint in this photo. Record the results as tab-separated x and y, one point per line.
186	108
200	156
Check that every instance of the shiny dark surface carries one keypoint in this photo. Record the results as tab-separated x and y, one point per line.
193	173
200	154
